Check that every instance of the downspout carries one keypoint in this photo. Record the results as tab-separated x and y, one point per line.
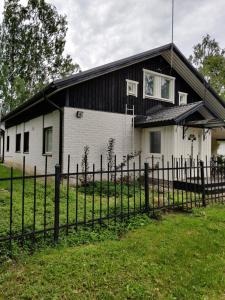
3	147
61	117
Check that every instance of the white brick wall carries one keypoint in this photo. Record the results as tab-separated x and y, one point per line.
172	143
34	157
94	130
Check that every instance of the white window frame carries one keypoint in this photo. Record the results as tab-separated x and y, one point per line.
45	142
157	86
182	94
135	84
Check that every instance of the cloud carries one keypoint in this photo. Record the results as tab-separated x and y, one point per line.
101	31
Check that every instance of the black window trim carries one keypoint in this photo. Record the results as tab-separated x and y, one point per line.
155	153
26	132
7	143
18	135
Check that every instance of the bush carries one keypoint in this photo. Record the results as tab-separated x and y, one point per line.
108	188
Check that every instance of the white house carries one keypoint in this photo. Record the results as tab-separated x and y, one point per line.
144	103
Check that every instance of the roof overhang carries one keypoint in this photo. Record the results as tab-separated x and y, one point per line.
36	99
208	124
180	64
175	115
181	115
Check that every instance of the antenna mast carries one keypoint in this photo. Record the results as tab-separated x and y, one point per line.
172	35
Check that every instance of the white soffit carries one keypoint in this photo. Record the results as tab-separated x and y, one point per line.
195	83
205	113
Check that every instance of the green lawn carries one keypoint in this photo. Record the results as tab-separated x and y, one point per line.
132	197
180	257
121	199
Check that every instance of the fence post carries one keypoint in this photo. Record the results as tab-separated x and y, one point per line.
202	182
146	187
57	199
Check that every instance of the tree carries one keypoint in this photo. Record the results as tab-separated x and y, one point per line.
32	42
209	58
84	178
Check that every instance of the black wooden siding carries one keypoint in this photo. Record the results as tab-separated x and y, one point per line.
108	92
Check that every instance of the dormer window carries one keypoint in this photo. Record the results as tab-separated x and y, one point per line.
182	98
132	88
158	86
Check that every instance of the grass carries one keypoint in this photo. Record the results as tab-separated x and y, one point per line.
111	200
134	196
180	257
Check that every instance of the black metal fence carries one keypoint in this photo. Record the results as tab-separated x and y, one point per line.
45	206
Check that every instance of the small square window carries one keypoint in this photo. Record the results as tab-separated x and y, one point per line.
26	142
182	98
155	142
47	142
132	88
7	143
18	142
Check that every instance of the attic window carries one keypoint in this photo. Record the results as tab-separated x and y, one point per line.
158	86
182	98
132	88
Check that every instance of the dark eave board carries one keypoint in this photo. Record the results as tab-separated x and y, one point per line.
53	88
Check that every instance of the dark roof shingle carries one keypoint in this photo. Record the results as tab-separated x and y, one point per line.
171	115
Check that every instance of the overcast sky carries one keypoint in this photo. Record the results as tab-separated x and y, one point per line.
101	31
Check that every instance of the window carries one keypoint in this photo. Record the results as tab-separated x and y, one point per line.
155	142
7	144
26	142
182	98
149	85
18	142
132	88
165	88
158	86
47	143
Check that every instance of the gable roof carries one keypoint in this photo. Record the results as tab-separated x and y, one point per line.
168	116
176	115
165	51
110	67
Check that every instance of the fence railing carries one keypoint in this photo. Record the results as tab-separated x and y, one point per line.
44	206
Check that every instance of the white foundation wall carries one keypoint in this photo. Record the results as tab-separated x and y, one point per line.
35	155
218	141
94	129
201	146
173	143
167	144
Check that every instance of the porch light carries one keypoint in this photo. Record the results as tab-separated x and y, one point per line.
192	137
79	114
